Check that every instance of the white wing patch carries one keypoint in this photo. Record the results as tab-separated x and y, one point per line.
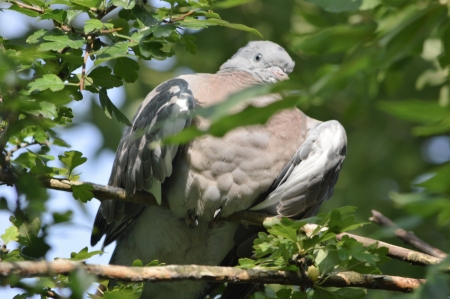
312	172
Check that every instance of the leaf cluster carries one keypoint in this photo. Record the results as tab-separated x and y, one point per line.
286	247
69	62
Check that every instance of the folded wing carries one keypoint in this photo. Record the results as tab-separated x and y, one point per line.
141	162
302	186
309	178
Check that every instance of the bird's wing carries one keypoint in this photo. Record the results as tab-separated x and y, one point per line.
142	163
302	186
309	178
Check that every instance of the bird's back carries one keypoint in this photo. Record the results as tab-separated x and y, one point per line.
231	172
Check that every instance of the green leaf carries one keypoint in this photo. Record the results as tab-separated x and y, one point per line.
343	293
79	282
224	118
441	127
410	35
229	3
120	23
163	30
87	3
415	110
439	182
58	15
62	217
284	294
11	234
117	50
25	11
127	69
283	231
436	117
71	160
35	194
154	263
84	254
13	256
103	78
337	5
46	109
36	36
336	39
250	116
109	108
48	81
28	231
83	192
327	260
198	24
92	25
127	4
152	49
444	59
72	14
137	263
188	41
59	42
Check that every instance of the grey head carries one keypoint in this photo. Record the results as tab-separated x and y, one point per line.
265	60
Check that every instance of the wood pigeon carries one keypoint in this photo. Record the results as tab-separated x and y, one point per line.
288	166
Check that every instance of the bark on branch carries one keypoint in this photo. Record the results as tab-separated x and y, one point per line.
247	217
407	237
208	273
100	192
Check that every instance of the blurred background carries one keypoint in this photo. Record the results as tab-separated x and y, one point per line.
354	65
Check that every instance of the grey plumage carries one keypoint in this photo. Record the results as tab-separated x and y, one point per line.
288	166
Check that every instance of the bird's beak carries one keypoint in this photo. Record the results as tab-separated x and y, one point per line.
280	75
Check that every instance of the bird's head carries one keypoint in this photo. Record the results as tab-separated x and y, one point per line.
265	60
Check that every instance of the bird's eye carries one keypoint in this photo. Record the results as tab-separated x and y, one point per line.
258	57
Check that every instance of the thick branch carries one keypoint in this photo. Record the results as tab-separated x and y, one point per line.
209	273
247	217
407	237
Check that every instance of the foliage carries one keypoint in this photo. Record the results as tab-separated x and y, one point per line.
286	247
379	66
39	80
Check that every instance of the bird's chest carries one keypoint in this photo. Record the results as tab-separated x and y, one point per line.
229	173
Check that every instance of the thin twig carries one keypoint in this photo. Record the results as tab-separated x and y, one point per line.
407	237
110	30
20	146
52	294
174	273
26	6
86	56
100	192
182	17
11	118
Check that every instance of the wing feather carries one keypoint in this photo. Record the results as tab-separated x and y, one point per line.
309	178
141	163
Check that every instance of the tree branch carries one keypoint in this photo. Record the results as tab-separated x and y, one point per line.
100	192
34	8
407	237
395	252
173	273
245	217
